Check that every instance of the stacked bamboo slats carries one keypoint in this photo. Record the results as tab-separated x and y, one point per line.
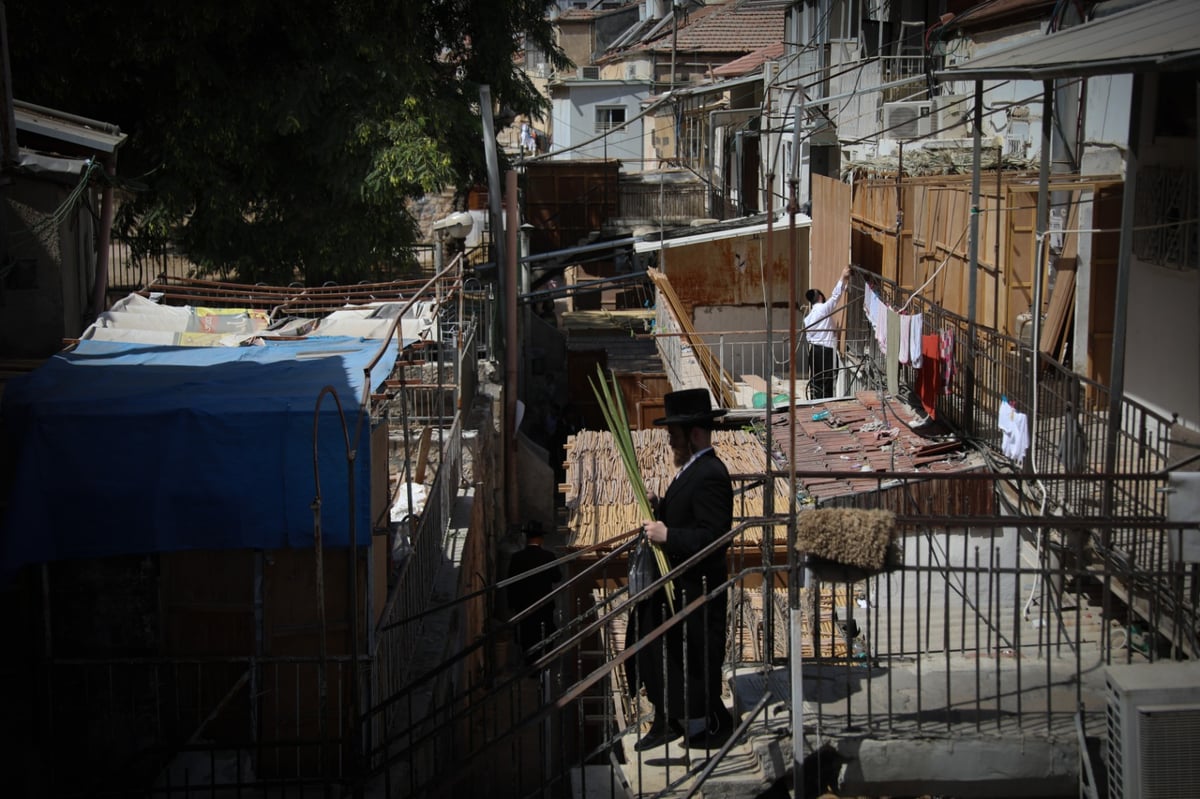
599	499
720	382
833	644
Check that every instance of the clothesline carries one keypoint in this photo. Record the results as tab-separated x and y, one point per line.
1159	226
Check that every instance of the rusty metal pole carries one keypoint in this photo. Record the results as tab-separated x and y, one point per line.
793	265
968	411
796	563
768	540
512	223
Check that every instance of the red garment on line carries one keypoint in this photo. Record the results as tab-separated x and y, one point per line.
929	376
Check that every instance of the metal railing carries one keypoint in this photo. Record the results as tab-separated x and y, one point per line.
166	727
987	622
670	203
742	354
1071	426
993	618
895	68
131	270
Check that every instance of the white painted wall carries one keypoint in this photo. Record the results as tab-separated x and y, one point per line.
743	353
858	116
1107	120
574	113
1162	361
1162	351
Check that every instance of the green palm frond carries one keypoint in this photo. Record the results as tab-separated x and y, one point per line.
613	408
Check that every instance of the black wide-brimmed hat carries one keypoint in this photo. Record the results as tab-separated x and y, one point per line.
690	406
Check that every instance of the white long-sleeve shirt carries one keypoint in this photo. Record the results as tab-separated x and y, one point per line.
823	333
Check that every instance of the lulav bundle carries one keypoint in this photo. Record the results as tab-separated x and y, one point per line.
613	408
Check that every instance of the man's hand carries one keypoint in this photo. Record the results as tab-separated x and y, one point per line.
846	272
655	531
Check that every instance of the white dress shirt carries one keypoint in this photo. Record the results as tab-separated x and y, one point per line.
822	333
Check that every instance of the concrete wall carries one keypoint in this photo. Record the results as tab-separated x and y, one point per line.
919	609
1163	333
575	104
47	293
535	485
742	353
1163	329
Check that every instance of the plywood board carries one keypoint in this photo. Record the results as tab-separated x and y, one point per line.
422	454
208	602
1062	298
830	232
937	211
641	390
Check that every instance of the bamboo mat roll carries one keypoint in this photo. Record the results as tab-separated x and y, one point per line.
599	498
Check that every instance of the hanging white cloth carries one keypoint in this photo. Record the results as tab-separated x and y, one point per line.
1014	428
914	339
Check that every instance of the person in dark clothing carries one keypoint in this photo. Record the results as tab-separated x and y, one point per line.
697	509
527	592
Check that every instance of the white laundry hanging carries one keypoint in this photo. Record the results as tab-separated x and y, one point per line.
1014	428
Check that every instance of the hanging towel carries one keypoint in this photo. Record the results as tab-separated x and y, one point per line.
1014	428
929	378
905	346
880	322
946	353
914	339
893	352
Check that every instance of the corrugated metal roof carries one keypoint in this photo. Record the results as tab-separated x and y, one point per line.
59	126
1159	35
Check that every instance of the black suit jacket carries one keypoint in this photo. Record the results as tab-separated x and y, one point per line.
697	509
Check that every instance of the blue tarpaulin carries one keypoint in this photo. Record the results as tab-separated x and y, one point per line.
131	448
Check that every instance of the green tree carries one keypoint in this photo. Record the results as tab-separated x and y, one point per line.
278	138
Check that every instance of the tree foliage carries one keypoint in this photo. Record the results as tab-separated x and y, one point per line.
282	138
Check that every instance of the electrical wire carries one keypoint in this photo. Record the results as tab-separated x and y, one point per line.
52	221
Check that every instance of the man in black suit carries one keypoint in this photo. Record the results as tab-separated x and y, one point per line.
532	589
696	510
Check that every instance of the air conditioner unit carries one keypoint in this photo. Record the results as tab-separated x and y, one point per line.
1153	720
589	73
911	120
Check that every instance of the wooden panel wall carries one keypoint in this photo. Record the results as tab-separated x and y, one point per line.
932	243
643	395
830	233
567	200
